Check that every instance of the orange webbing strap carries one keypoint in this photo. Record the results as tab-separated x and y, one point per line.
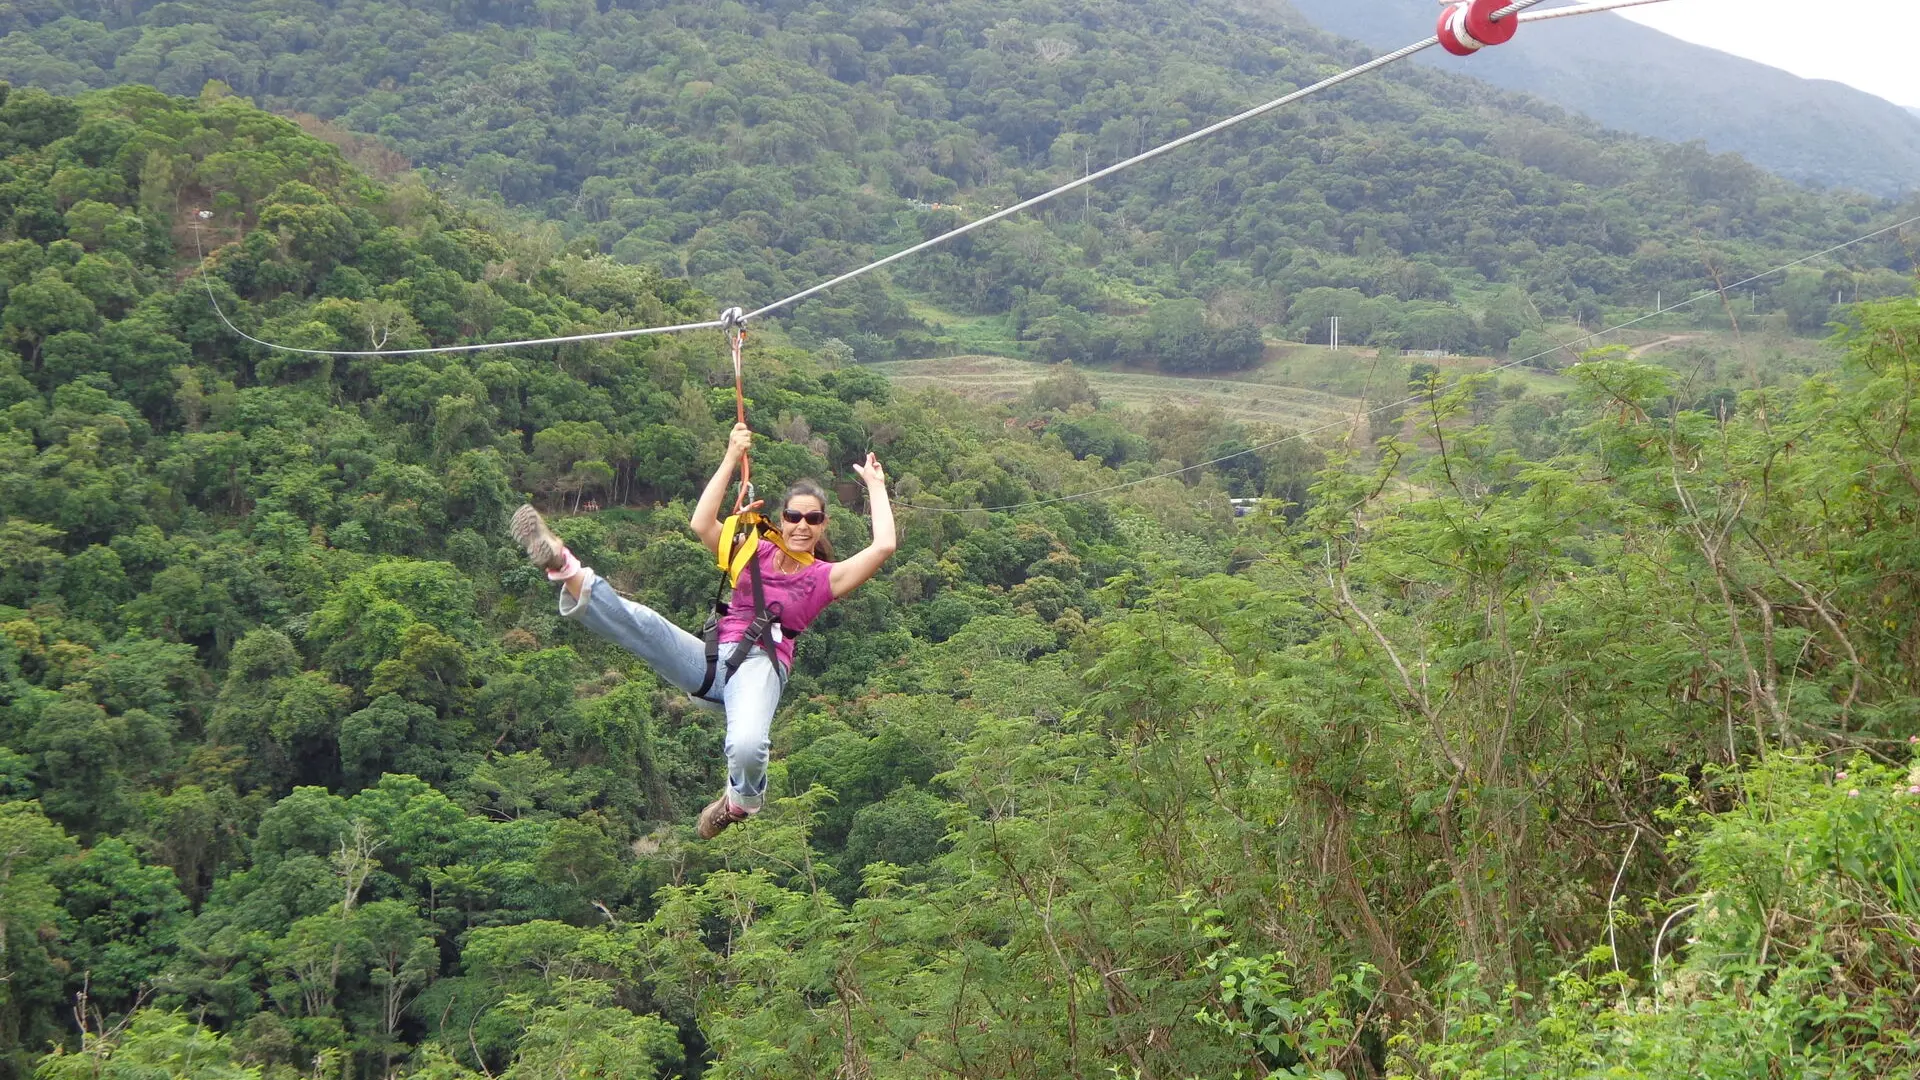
741	533
737	337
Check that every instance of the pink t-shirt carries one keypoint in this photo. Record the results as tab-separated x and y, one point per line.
802	597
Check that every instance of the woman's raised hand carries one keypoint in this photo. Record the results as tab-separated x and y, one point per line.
851	573
739	442
871	472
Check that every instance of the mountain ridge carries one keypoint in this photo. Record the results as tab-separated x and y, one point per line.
1637	79
757	148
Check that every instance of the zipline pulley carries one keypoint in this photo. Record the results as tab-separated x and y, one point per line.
1468	26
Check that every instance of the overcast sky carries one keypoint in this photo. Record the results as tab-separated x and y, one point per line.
1870	44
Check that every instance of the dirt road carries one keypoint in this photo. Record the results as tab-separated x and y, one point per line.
1661	344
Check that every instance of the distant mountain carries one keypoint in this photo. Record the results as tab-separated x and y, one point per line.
1637	79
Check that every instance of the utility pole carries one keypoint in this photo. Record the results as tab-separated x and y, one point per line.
1333	336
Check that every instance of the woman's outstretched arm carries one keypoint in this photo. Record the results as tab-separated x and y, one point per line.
852	573
706	514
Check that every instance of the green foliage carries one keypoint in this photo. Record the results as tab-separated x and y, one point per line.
122	918
154	1044
582	1033
1284	1036
1797	949
307	774
30	985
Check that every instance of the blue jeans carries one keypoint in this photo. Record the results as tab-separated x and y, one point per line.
750	696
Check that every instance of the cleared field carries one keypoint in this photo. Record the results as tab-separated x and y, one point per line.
985	335
1311	386
996	378
1363	372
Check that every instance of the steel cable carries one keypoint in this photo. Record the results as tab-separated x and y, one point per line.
1517	8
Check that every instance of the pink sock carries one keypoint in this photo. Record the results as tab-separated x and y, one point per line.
568	568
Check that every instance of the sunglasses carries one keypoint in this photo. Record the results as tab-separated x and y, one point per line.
811	517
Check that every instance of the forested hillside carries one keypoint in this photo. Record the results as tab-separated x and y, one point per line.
1557	734
758	147
1635	78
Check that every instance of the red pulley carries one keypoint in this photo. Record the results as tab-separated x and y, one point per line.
1481	24
1453	31
1469	26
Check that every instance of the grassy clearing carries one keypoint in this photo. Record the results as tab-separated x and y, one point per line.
1363	372
1760	355
986	335
1352	373
1540	382
1701	356
997	378
1312	386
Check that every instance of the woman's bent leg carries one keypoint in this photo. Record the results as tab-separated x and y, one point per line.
751	696
675	655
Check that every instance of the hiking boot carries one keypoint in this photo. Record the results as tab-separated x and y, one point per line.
543	548
719	814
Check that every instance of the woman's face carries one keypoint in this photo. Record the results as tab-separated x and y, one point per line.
802	535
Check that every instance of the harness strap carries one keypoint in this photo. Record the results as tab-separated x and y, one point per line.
739	551
711	634
760	630
739	545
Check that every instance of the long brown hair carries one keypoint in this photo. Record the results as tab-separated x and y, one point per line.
811	489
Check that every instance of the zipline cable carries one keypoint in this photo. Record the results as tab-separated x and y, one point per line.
607	335
1299	435
1584	9
1141	158
440	350
1518	10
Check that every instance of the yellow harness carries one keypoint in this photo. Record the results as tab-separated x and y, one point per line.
738	553
740	537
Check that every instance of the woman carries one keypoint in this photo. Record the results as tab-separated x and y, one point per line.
800	587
